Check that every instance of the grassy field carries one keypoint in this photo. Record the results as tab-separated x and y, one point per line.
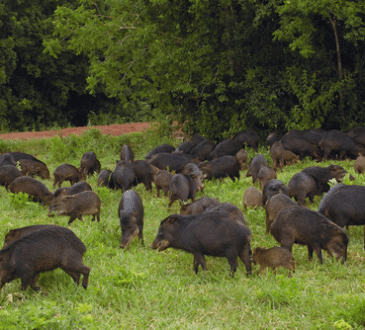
140	288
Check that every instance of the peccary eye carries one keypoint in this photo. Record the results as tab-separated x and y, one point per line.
340	245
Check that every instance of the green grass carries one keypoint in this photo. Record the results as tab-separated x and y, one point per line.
140	288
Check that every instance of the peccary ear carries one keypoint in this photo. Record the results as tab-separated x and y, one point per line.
171	219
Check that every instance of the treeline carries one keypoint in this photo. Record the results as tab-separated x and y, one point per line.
218	66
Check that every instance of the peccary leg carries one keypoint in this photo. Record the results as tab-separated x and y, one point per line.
75	276
364	237
310	252
72	218
318	251
287	243
231	256
199	260
74	268
245	257
34	285
158	192
26	279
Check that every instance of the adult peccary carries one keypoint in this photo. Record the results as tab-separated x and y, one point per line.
34	188
123	176
194	171
17	155
227	147
256	163
89	164
162	181
299	225
272	137
130	213
344	205
203	150
34	168
73	190
302	185
67	172
43	250
7	159
163	148
16	233
126	153
241	156
299	145
272	188
8	173
230	208
182	187
172	161
105	179
75	206
143	172
214	234
249	137
226	166
198	206
266	174
277	155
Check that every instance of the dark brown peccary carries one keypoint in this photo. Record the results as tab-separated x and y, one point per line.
123	176
34	188
66	172
185	147
73	190
266	174
198	206
197	138
143	172
162	181
7	159
249	137
194	171
274	257
104	178
182	187
356	131
75	206
290	158
256	163
359	165
17	155
272	188
130	213
89	164
226	166
272	137
227	147
34	168
299	145
277	155
213	234
314	135
43	250
359	138
274	205
8	173
345	206
299	225
172	161
302	185
203	150
230	208
126	153
241	156
17	233
252	197
163	148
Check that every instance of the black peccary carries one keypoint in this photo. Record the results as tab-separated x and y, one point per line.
356	131
274	257
226	166
143	172
302	185
34	188
185	147
163	148
274	205
123	176
43	250
340	143
314	135
8	173
105	179
344	205
198	206
130	213
16	233
227	147
299	225
203	150
172	161
249	137
252	197
299	145
75	206
73	190
194	171
162	181
67	172
182	187
214	234
230	208
126	153
33	168
277	155
89	164
256	163
22	155
241	156
272	188
7	159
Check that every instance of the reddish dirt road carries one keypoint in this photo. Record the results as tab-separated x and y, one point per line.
114	130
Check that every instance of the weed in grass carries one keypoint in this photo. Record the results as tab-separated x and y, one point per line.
20	200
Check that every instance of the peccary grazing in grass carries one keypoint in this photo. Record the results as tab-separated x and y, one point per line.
7	159
277	155
230	208
266	174
182	187
22	155
249	137
126	153
105	179
226	166
172	161
162	181
73	190
271	188
256	164
359	165
241	156
17	233
89	164
198	206
8	173
123	176
302	185
290	158
34	168
203	150
163	148
67	172
252	197
225	148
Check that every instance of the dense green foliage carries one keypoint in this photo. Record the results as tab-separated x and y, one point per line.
140	288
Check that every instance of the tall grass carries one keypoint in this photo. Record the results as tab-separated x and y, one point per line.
139	288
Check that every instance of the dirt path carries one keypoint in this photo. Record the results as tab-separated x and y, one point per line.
114	130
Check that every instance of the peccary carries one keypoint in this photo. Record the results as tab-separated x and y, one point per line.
75	206
172	162
274	257
359	165
182	187
198	206
221	168
43	250
203	150
17	233
274	205
241	156
34	168
225	148
34	188
22	155
143	172
197	138
162	181
230	208
67	172
277	155
299	225
290	158
89	164
271	188
7	159
163	148
105	179
126	153
272	137
194	171
130	213
266	174
249	137
297	144
123	176
323	174
214	234
302	185
8	173
252	198
185	147
73	190
255	165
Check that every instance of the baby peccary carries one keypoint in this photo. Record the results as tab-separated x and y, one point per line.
277	155
66	172
198	206
256	164
306	227
273	258
73	190
241	156
43	250
290	158
266	174
17	233
359	165
130	213
252	198
8	173
34	188
214	234
162	181
84	203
